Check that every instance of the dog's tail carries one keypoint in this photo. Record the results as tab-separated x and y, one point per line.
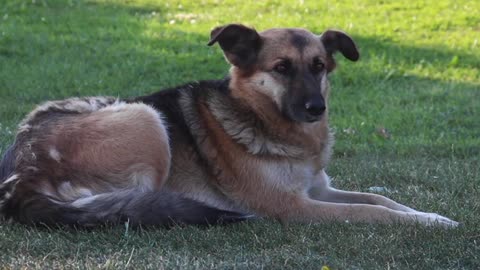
146	208
137	207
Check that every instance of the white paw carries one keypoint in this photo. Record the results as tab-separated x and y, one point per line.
432	219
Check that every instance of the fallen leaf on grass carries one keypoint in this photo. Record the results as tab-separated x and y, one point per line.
382	131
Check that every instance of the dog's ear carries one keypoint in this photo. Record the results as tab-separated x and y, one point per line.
239	43
334	41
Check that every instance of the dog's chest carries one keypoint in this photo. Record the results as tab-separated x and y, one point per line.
291	175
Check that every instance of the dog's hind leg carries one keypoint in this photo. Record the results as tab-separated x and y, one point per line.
122	146
71	149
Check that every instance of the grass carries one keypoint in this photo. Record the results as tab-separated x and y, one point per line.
406	118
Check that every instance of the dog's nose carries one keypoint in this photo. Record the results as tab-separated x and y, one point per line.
315	108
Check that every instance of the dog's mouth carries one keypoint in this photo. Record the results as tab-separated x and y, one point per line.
312	119
300	114
307	118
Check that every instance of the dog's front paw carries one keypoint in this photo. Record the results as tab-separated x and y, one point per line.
432	219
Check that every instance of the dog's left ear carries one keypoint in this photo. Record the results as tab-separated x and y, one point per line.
334	41
239	43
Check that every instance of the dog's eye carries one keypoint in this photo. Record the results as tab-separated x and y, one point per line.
282	67
317	66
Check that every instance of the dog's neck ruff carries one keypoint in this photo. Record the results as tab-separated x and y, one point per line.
260	136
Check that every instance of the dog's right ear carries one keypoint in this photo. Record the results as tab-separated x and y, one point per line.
339	41
239	43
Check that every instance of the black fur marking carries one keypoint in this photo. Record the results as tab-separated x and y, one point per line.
298	41
167	102
7	164
303	88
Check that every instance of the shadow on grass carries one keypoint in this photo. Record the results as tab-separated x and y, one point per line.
53	50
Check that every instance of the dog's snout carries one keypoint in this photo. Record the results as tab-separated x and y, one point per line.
315	108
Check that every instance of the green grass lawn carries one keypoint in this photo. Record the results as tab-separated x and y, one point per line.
418	78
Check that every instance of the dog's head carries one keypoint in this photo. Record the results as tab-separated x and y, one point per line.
289	65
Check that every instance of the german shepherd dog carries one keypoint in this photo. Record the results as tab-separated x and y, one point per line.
255	144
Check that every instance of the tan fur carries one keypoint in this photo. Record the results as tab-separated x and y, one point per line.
106	143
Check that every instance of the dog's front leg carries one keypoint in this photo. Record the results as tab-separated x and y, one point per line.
303	209
323	192
341	196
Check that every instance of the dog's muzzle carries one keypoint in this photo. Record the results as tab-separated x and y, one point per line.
305	109
315	108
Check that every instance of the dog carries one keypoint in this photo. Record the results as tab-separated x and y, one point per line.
254	144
